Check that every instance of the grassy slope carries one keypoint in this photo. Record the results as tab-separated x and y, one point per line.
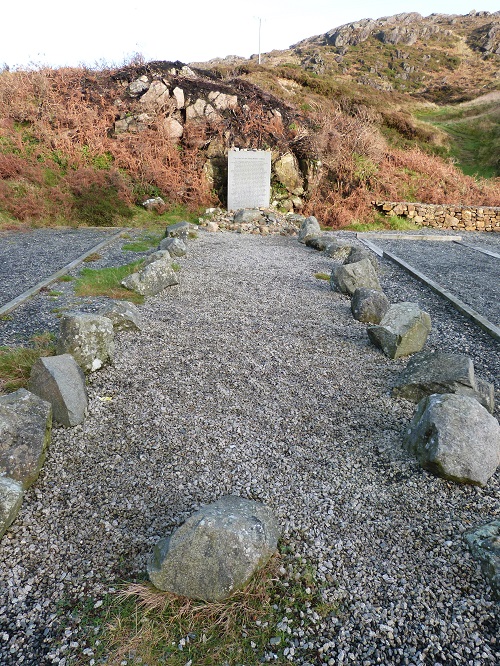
474	134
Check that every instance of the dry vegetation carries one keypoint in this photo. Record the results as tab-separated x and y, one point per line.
60	161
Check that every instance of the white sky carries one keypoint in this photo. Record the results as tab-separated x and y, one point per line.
93	32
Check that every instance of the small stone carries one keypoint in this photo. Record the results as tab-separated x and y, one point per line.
124	316
402	331
348	278
11	497
88	338
369	305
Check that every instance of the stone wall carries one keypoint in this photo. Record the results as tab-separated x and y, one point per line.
467	218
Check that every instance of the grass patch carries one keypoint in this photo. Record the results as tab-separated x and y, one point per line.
107	282
143	244
66	278
384	223
95	256
16	362
474	135
146	626
321	276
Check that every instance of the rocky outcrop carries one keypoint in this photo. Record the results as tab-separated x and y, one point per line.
349	277
402	331
60	381
216	551
88	338
25	427
454	437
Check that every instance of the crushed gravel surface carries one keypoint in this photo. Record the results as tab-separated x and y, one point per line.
253	378
28	257
471	275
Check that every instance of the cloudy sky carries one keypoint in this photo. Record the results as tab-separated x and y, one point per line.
95	32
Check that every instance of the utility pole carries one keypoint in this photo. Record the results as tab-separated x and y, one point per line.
260	24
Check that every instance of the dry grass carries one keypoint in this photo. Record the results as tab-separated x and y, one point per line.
16	362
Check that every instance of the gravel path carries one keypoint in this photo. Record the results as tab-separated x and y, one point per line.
471	275
252	378
28	257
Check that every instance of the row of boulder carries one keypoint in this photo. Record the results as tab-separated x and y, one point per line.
217	550
453	433
56	389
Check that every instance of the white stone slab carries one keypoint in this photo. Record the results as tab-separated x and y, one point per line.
249	179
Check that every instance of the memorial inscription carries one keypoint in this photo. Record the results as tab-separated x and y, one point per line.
249	179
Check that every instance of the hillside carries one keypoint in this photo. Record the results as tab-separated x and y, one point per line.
365	111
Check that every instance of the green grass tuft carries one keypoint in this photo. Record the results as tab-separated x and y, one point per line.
107	282
321	276
16	362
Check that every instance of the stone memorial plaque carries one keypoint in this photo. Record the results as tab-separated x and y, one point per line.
249	179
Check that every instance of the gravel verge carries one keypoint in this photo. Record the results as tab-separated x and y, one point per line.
41	312
253	378
470	275
28	257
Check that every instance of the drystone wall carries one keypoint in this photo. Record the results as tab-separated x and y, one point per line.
468	218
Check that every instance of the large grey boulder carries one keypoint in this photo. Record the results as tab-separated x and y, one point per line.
178	230
369	305
174	246
216	551
484	544
358	254
319	242
248	216
442	372
11	497
348	278
88	338
60	381
124	316
152	278
25	426
402	331
454	437
309	227
337	251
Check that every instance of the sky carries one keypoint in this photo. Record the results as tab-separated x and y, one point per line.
99	32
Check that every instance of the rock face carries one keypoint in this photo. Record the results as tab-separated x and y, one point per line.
402	331
216	551
347	278
152	278
309	227
60	381
11	497
484	544
25	426
174	246
454	437
441	372
124	316
288	173
88	338
369	305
